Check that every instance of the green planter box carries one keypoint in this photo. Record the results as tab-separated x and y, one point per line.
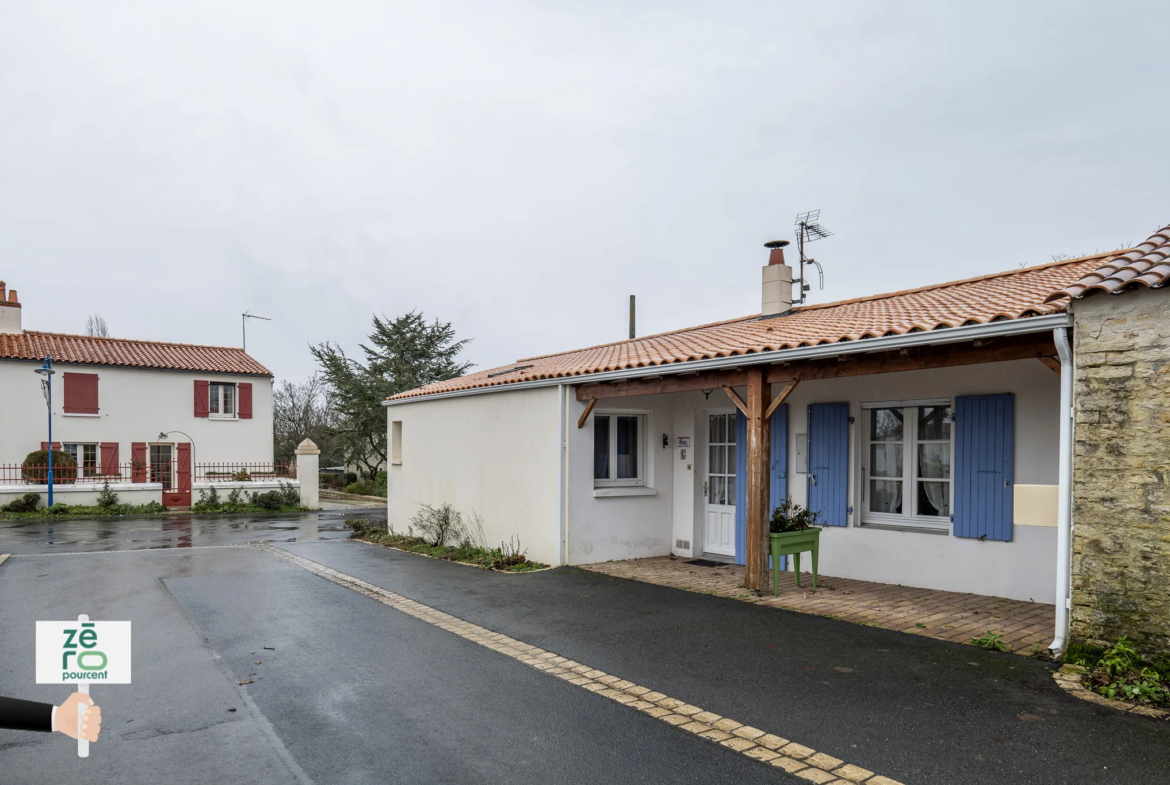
793	544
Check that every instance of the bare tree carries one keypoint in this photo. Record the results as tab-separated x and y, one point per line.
303	411
95	326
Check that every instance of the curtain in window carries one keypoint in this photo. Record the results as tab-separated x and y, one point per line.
600	448
627	448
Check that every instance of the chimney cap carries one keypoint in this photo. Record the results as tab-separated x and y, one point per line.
776	244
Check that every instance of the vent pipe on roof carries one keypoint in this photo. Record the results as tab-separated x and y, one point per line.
632	314
9	311
777	282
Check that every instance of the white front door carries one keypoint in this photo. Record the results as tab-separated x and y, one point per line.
719	487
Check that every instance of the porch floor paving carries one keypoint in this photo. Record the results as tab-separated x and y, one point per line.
1025	627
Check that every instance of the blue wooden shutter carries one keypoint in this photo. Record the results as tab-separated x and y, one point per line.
828	462
740	488
984	467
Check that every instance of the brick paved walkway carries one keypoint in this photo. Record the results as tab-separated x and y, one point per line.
948	616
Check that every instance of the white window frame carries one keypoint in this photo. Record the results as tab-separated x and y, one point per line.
79	449
643	424
215	387
910	442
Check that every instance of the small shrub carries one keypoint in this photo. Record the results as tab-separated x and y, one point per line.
26	503
60	508
992	641
350	478
107	498
269	500
438	525
380	480
510	554
34	468
208	500
236	497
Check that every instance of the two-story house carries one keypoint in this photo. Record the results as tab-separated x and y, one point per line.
136	412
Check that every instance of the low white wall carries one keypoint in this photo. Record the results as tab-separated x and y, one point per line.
84	493
496	454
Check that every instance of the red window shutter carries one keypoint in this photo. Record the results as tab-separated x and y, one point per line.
202	405
56	446
245	389
138	461
109	458
81	393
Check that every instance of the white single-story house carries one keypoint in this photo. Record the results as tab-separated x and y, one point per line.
931	430
136	413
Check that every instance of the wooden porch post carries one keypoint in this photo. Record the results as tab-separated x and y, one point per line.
759	451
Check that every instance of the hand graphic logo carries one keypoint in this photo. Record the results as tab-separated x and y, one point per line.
65	717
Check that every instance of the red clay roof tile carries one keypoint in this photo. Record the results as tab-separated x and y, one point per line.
1013	294
1147	265
128	353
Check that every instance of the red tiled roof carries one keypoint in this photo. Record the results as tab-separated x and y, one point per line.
1147	265
128	353
1013	294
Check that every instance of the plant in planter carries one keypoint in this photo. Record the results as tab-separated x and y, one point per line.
793	530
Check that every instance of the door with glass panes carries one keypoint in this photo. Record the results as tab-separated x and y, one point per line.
719	487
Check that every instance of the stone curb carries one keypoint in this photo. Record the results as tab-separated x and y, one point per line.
1069	679
804	762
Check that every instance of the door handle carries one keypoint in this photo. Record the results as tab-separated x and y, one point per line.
813	478
704	487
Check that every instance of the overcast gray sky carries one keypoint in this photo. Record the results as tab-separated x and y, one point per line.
521	168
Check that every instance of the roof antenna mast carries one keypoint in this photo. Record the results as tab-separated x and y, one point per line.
809	230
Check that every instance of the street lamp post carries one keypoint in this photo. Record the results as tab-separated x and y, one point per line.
46	371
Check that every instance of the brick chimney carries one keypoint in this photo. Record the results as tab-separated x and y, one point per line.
777	280
9	311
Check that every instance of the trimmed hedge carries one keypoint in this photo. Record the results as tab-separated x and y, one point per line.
34	468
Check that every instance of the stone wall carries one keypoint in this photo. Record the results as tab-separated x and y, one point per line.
1121	503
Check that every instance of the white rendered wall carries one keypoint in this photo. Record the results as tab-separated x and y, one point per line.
496	454
607	527
135	406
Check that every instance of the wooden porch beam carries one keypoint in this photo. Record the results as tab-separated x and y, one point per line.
739	404
707	380
1051	362
1022	347
759	452
585	414
781	398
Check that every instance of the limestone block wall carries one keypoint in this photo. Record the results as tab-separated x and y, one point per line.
1121	503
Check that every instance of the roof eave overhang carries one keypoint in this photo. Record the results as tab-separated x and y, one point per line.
940	337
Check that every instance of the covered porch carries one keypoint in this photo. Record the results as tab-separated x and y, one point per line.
932	464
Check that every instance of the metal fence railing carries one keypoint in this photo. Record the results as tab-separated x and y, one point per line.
244	472
165	472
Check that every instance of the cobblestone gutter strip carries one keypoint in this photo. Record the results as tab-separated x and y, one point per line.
804	762
1069	679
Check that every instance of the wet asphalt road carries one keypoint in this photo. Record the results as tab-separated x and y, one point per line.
357	692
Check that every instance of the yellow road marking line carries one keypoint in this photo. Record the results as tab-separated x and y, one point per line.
804	762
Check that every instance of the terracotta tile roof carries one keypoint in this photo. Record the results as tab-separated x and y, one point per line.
1147	265
1013	294
128	353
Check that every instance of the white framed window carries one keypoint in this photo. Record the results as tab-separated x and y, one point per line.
222	400
906	463
619	449
86	457
721	470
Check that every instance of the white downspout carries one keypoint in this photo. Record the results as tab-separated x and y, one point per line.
562	526
1064	498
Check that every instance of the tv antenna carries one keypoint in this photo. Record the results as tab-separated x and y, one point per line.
807	231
